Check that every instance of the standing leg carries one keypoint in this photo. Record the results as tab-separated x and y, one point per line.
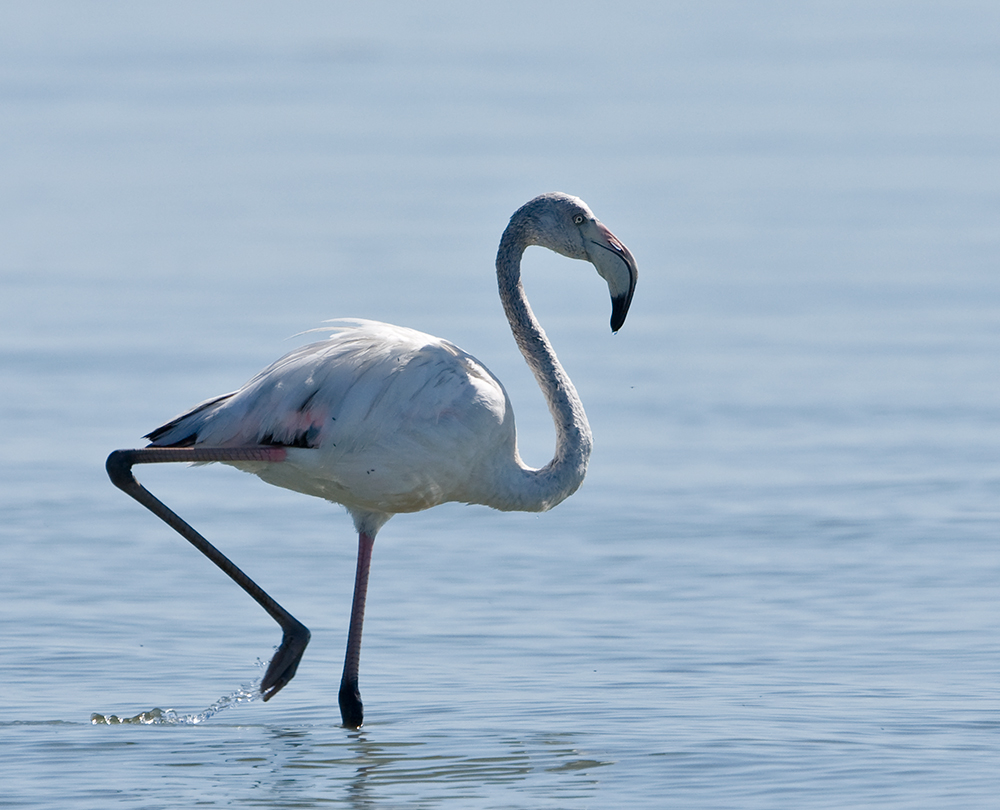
351	708
295	635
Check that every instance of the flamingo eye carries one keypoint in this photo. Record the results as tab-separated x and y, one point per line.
578	219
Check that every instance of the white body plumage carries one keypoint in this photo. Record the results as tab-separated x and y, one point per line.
379	418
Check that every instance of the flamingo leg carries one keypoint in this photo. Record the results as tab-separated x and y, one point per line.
351	708
295	634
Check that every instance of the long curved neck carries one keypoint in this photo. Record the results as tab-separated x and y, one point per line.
537	490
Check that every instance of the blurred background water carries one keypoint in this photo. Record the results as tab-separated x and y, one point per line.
778	586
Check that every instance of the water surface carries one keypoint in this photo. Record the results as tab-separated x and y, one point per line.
777	586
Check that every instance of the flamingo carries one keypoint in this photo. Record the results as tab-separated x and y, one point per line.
383	419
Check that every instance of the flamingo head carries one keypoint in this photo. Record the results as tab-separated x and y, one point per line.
566	224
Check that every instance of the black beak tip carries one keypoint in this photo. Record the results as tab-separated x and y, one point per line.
619	309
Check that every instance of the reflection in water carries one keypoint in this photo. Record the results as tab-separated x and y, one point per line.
305	766
368	771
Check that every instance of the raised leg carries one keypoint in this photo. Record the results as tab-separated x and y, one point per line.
351	709
295	634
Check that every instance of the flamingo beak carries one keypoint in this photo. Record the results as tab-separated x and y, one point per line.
617	267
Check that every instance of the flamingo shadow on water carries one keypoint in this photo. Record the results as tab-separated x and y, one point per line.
384	419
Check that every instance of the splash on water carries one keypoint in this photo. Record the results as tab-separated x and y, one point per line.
247	693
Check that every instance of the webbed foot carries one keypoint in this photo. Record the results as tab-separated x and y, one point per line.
286	660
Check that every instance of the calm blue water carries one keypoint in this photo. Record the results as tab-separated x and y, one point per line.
779	585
